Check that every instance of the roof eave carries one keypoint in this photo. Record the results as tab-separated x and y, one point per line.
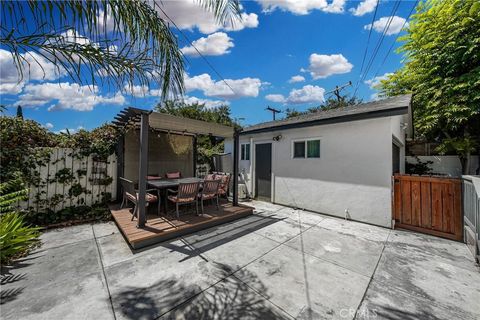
345	118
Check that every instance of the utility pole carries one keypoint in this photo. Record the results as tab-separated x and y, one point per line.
274	111
337	90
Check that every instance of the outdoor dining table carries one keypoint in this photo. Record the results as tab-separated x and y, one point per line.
164	184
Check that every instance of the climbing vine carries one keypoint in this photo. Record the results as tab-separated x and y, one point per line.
66	173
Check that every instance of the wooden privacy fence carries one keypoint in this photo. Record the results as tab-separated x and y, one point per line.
431	205
66	178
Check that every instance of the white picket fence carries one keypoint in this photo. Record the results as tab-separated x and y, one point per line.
67	172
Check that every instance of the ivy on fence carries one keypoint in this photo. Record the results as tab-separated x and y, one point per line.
67	174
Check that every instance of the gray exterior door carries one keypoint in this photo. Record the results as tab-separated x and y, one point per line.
263	171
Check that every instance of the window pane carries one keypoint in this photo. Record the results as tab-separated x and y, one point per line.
247	151
242	157
313	149
299	149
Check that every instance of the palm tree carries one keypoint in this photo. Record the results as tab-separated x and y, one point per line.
137	48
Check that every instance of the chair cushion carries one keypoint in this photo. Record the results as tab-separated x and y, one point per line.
210	177
183	200
148	197
173	175
224	182
206	196
154	177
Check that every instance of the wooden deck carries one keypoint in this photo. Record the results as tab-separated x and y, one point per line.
161	228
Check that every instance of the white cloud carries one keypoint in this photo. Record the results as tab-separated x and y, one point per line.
215	44
48	125
11	88
137	90
72	36
374	97
188	14
35	67
106	22
364	7
394	28
247	20
302	7
66	96
245	87
375	81
70	130
323	66
336	6
297	78
305	95
275	98
207	102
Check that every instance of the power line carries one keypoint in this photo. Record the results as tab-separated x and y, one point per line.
198	51
368	40
379	44
395	41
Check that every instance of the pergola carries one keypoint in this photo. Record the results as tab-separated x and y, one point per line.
147	119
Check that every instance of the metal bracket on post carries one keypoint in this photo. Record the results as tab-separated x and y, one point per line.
236	146
142	172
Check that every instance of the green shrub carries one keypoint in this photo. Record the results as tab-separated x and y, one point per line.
16	237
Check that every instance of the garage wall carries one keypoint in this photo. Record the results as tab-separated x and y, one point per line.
166	153
353	172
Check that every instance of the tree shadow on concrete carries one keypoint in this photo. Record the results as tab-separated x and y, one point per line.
10	280
176	299
201	241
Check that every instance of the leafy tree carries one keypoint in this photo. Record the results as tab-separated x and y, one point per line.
442	70
331	103
19	112
207	145
137	49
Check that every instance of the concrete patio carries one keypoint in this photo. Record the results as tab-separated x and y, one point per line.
277	264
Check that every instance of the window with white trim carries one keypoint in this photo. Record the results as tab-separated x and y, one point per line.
309	148
245	151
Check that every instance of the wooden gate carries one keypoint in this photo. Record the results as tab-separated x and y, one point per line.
431	205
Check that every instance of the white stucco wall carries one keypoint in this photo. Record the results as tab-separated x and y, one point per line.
353	172
449	165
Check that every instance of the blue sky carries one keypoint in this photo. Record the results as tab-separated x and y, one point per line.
283	54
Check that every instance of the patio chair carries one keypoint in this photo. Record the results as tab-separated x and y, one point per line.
224	185
130	194
210	176
186	194
173	175
209	192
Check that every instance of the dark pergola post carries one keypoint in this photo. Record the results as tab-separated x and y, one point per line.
236	145
143	168
195	152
